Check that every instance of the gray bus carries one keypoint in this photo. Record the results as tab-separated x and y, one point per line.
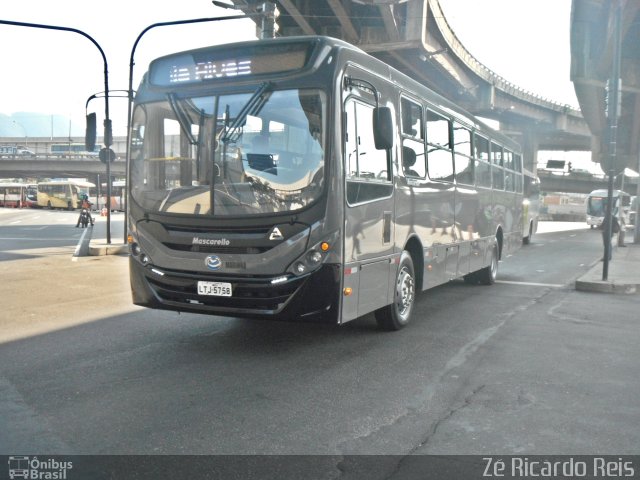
302	179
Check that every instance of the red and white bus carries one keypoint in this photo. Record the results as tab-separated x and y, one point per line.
14	194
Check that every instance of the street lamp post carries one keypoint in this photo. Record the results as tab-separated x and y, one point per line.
107	121
613	111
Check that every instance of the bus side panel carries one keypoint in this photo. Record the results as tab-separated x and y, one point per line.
466	220
426	210
511	221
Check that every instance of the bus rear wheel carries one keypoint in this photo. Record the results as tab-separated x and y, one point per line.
487	276
397	315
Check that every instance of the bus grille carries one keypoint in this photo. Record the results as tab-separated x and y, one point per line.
250	294
216	248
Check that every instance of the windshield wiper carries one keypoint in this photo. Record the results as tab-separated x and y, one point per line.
183	118
253	106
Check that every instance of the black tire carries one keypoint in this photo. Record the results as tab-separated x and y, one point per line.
487	276
527	240
397	315
471	278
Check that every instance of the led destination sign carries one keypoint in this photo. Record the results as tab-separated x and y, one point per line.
210	64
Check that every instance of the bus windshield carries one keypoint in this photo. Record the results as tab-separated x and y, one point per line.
227	155
597	205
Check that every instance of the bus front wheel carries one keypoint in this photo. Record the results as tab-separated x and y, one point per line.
397	315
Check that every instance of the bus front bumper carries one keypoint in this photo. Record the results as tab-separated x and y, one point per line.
309	298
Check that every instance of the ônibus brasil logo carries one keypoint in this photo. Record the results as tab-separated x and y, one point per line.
33	468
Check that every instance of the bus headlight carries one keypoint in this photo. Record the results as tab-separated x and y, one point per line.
135	249
313	258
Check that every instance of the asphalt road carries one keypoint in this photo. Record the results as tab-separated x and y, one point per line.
526	366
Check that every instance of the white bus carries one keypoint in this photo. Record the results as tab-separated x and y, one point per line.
65	194
13	194
118	193
596	204
302	179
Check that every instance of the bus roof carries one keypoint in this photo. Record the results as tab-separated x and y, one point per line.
297	54
605	192
80	183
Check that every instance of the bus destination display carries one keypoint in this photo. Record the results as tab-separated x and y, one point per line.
211	64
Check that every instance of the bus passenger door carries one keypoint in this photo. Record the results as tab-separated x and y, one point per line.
368	212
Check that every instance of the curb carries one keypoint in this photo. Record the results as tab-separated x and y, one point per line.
114	249
607	287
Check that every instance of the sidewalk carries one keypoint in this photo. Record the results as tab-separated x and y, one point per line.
623	276
98	244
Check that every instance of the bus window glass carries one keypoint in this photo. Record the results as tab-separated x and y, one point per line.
461	139
462	148
411	119
210	155
509	176
437	130
413	163
481	148
413	158
368	172
440	164
498	172
483	174
439	155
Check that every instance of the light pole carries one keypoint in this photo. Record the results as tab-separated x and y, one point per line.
108	137
613	111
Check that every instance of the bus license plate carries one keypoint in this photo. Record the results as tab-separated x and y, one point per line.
217	289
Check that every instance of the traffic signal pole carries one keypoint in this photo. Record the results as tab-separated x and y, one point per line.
107	121
613	111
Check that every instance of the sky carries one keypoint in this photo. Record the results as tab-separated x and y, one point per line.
54	72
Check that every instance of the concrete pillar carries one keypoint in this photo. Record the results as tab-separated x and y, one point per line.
530	146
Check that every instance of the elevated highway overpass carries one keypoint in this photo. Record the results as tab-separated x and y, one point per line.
45	164
593	41
415	37
50	167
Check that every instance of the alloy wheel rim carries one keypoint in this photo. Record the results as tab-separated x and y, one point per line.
404	292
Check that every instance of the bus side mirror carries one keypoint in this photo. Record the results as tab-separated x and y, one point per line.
90	133
382	128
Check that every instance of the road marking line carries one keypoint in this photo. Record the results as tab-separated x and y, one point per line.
31	239
532	284
76	252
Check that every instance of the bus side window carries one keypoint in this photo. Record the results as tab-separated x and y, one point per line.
481	155
462	149
413	156
439	154
498	172
366	168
